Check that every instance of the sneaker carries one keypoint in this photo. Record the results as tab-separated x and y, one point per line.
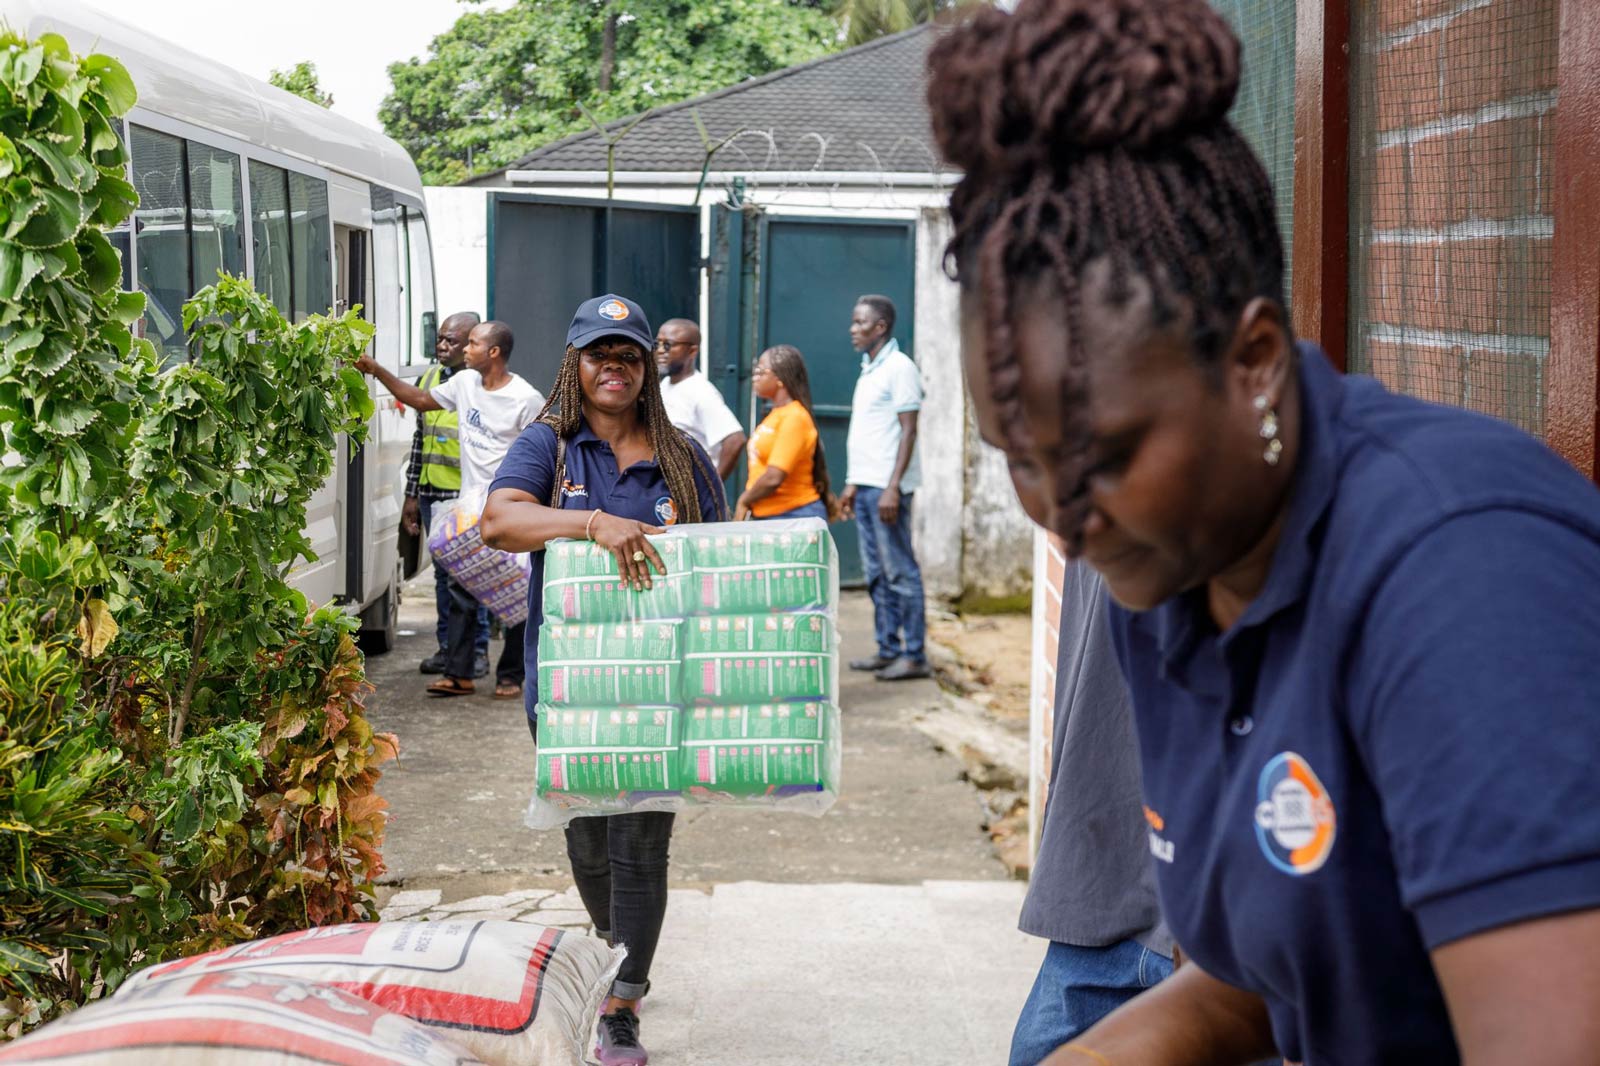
480	664
904	669
872	665
434	664
618	1043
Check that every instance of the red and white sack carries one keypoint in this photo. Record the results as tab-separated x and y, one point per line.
511	993
236	1019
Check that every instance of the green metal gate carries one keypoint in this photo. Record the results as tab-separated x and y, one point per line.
793	280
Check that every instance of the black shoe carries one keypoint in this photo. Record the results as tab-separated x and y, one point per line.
904	669
434	664
618	1043
872	665
480	664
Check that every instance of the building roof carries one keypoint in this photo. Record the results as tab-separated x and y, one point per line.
862	109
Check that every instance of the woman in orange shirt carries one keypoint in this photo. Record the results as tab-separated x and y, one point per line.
788	472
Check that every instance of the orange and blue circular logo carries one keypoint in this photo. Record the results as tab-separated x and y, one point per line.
1295	819
666	511
615	310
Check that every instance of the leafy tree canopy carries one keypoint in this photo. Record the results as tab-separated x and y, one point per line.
866	20
499	84
302	81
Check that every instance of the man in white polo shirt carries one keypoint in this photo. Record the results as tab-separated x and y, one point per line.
693	404
881	450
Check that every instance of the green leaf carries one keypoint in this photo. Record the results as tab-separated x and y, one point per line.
62	215
66	166
22	959
98	132
129	307
111	200
11	283
27	67
101	263
10	159
114	83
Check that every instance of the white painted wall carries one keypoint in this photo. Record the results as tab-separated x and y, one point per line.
937	526
458	222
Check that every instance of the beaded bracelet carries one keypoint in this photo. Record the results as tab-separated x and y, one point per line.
588	527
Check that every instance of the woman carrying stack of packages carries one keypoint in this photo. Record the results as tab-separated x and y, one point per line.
788	470
605	464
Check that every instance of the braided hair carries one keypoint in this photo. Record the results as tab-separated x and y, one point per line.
789	367
676	457
1094	132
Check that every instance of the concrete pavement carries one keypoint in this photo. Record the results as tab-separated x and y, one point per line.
883	932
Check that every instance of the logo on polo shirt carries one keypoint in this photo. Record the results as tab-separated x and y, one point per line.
666	511
1295	819
1160	846
569	490
615	310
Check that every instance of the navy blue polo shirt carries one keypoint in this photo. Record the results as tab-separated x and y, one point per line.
592	482
1394	746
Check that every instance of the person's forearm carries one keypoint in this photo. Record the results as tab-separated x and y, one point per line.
902	459
404	391
728	455
525	526
763	486
1190	1019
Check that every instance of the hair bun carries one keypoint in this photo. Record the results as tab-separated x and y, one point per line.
1061	77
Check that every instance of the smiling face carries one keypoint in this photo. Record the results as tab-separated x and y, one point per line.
1174	475
611	373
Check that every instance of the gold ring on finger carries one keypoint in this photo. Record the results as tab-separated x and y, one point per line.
638	557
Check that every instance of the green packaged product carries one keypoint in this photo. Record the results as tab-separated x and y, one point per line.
593	599
608	727
760	767
581	558
801	631
758	588
583	641
762	677
768	721
747	547
602	771
609	683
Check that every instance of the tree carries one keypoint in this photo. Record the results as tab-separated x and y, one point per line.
867	20
499	84
302	81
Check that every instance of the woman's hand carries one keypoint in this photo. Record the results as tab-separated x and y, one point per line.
625	538
741	510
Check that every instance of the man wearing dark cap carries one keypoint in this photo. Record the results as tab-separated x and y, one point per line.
494	406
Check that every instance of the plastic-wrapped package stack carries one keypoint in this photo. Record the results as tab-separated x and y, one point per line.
496	579
719	685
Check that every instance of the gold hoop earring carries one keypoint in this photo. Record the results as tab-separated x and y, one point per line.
1269	430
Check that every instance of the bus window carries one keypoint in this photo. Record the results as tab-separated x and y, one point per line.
216	207
312	235
161	226
422	298
269	223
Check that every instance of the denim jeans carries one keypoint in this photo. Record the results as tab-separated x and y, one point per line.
441	589
620	866
814	509
893	578
1076	987
464	632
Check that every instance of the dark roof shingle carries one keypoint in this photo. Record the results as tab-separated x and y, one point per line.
862	109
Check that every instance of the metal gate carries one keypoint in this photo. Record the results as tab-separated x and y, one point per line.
548	254
793	280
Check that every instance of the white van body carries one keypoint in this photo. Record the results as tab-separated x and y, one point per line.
321	212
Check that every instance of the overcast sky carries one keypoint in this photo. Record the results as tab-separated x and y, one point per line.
352	42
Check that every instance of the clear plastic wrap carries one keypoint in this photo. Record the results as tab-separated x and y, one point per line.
718	686
496	579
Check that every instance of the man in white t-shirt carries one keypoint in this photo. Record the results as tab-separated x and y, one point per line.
494	406
693	404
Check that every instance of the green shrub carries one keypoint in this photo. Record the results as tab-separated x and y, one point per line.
184	760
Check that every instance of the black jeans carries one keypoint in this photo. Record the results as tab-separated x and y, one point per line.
620	866
462	638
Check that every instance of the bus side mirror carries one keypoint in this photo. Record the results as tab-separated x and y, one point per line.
430	332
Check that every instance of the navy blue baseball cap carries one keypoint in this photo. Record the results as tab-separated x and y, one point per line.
610	316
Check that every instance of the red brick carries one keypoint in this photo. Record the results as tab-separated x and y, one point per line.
1436	374
1398	14
1054	572
1387	363
1508	385
1407	87
1497	52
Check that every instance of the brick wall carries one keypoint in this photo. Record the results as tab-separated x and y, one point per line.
1452	113
1049	567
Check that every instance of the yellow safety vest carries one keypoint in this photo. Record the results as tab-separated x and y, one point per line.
441	441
